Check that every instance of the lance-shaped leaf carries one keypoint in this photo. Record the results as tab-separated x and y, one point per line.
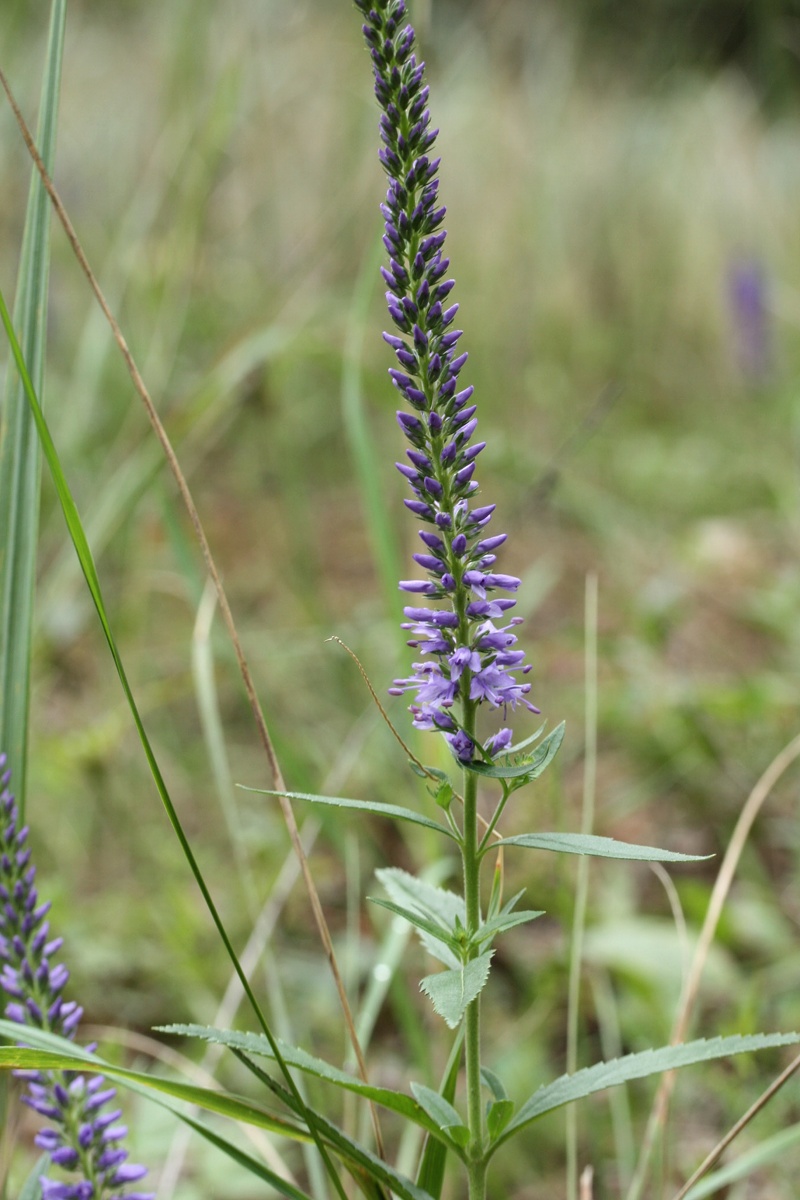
434	1157
442	1112
451	992
636	1066
502	922
598	847
371	806
294	1056
530	767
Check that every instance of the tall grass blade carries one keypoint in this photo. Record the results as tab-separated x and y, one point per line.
78	536
20	461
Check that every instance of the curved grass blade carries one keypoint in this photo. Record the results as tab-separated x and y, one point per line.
78	535
598	847
20	460
636	1066
381	810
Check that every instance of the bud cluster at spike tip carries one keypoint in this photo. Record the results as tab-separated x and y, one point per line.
470	655
85	1134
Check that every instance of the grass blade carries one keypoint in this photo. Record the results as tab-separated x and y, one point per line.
78	535
20	461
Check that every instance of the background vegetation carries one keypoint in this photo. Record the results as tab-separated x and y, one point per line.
622	193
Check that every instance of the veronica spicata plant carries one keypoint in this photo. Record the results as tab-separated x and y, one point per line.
469	662
84	1134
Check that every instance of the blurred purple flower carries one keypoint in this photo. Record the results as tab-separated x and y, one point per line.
83	1137
470	658
748	299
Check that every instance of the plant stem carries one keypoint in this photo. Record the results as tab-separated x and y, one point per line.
472	1042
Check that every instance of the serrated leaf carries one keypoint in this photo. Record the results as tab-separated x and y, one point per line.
436	904
502	922
294	1056
442	1112
599	847
431	928
451	992
371	806
497	1118
637	1066
532	766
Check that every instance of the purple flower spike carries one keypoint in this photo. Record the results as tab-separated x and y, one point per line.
82	1140
467	659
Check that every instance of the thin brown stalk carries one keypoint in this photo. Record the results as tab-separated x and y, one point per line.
186	495
736	1129
719	894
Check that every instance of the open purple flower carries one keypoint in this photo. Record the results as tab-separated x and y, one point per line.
84	1134
470	655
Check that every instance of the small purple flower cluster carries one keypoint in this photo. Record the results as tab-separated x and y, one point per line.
471	656
85	1136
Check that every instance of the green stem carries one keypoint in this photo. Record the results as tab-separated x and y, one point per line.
472	1040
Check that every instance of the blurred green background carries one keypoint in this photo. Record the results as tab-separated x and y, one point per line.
622	184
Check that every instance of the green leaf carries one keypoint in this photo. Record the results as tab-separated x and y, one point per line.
433	929
494	1083
294	1056
434	1158
499	1114
381	810
530	767
442	907
442	1112
451	991
501	923
637	1066
20	458
599	847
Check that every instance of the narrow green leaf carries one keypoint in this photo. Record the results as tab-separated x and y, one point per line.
294	1056
451	991
637	1066
599	847
438	905
20	460
432	928
434	1157
494	1083
502	922
442	1112
381	810
531	766
221	1103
